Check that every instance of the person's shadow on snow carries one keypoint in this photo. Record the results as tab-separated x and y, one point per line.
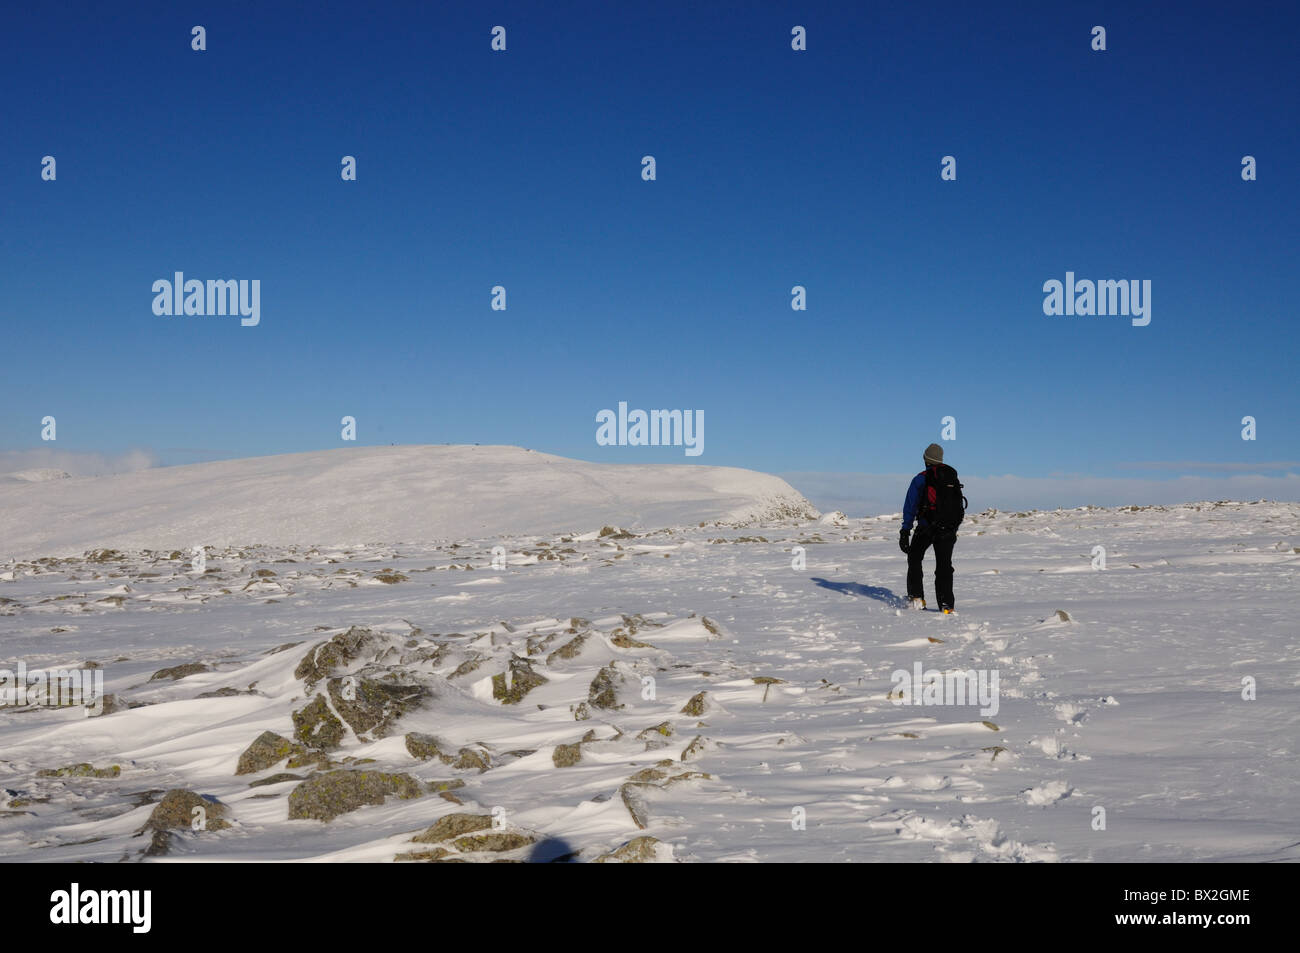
553	850
879	593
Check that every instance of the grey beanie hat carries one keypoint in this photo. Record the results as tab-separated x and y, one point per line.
933	454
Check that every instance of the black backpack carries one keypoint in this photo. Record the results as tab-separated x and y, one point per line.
944	506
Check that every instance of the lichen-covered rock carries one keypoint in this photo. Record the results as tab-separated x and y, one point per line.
422	856
179	671
694	749
470	664
649	775
453	825
306	758
107	705
582	712
602	692
639	850
566	756
372	705
326	796
468	759
695	707
425	747
266	750
635	802
317	727
569	649
329	657
496	841
518	680
624	640
444	789
83	770
281	778
182	810
160	844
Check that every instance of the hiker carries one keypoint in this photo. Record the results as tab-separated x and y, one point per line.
935	503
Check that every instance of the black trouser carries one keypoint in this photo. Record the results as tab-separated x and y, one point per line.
923	539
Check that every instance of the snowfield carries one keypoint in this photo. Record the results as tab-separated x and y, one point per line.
615	687
368	494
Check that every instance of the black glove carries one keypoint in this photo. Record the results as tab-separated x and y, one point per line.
903	541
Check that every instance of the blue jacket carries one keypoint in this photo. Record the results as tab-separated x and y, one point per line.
912	505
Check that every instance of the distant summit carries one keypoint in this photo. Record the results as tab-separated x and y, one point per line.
376	494
36	475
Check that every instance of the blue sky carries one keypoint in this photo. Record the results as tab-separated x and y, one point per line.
775	168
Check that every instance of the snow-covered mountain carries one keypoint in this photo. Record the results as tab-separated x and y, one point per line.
370	494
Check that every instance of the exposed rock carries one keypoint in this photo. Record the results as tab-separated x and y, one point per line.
424	747
306	758
453	825
444	788
469	665
326	796
569	649
624	640
318	727
694	749
111	705
635	803
372	705
328	657
83	770
497	841
601	694
639	850
566	756
472	758
423	856
511	686
280	778
177	812
179	671
267	750
695	707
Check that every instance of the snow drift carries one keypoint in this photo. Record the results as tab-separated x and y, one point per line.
366	494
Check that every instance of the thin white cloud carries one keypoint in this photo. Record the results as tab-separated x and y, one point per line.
868	494
1186	466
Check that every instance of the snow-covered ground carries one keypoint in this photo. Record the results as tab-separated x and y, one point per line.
686	683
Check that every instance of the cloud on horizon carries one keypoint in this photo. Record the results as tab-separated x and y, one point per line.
76	462
871	494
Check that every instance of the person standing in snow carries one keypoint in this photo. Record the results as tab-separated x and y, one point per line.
934	502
